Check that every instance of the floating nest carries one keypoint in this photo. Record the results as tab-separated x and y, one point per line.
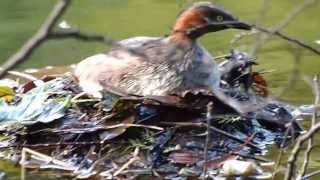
51	124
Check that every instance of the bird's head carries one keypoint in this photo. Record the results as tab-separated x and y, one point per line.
202	18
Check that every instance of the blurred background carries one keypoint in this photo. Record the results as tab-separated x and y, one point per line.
120	19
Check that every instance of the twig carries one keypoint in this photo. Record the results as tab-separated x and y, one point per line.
45	158
275	31
313	122
76	34
125	125
308	176
279	158
287	38
21	75
23	168
294	13
205	153
37	39
298	9
47	32
53	144
138	171
98	128
297	148
127	164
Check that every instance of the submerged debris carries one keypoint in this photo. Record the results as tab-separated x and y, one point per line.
130	136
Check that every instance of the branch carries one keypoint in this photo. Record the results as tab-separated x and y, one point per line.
279	158
287	38
313	122
297	148
26	76
293	14
127	164
37	39
308	176
275	31
76	34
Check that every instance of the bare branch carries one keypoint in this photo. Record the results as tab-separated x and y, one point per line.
275	31
314	173
313	122
76	34
293	14
22	75
127	164
279	158
295	152
297	148
287	38
37	39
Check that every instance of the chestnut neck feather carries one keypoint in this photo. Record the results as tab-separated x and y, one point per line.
189	20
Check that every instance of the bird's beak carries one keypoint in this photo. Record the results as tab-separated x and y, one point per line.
238	25
217	26
235	24
242	25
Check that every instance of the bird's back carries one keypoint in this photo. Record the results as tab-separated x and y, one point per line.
148	66
137	65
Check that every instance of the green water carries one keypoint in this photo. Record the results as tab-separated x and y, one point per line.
121	19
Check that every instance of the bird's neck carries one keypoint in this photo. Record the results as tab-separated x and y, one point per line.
181	38
185	29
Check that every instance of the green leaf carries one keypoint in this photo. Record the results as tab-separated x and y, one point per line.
6	92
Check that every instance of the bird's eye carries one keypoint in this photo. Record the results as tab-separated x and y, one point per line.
219	18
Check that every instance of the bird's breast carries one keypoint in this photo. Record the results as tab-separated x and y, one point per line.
203	71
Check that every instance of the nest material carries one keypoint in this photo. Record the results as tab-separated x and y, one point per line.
53	124
62	128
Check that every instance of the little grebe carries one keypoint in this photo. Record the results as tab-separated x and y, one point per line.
161	66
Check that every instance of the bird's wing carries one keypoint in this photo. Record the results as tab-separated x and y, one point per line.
99	70
146	49
128	57
137	42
